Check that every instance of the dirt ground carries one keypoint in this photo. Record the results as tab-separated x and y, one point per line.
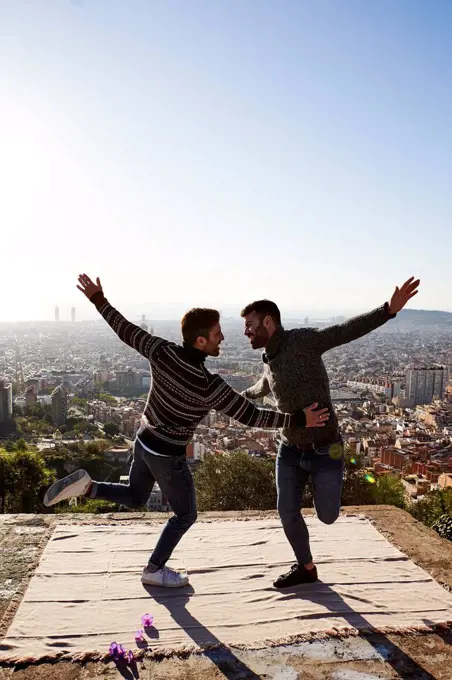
420	657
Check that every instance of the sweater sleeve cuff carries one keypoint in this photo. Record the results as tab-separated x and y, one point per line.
385	312
299	418
98	299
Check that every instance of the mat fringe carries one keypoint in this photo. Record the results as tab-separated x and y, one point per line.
184	651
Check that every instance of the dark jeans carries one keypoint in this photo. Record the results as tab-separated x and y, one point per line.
176	482
293	469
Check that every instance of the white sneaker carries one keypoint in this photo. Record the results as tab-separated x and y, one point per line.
75	484
165	577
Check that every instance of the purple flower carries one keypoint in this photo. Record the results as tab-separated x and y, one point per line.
147	620
139	636
117	651
130	657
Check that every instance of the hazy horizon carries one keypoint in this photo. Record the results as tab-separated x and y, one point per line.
175	312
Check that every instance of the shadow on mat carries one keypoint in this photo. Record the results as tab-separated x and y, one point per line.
225	660
321	594
318	593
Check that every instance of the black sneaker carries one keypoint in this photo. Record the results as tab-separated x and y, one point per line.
297	575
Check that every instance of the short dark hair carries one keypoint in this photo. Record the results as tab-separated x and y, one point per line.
199	321
263	308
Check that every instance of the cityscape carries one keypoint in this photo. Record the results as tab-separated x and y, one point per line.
391	391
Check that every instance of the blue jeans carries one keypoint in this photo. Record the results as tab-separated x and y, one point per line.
176	482
293	469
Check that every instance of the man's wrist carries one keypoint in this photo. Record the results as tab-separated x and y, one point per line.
388	311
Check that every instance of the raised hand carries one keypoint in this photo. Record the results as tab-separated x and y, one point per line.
403	294
87	287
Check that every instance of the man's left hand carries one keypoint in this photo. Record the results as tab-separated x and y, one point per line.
403	294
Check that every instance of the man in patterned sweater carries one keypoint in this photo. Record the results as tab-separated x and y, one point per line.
295	374
182	392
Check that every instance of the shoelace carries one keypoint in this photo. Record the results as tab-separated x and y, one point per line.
170	575
292	569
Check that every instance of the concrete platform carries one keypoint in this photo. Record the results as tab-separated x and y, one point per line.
426	656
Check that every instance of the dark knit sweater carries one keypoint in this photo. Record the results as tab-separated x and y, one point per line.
182	390
295	373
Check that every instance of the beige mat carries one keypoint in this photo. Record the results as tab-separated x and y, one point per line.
87	593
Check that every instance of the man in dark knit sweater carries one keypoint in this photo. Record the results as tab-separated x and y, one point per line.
295	374
182	392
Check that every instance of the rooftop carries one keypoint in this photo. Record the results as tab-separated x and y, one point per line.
426	655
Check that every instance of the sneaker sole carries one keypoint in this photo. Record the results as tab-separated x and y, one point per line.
294	585
73	485
162	585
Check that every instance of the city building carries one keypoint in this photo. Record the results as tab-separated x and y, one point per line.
73	314
195	450
157	500
128	380
118	455
57	313
423	385
386	388
59	405
239	383
445	480
6	405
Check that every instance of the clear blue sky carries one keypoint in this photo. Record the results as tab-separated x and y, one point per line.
212	151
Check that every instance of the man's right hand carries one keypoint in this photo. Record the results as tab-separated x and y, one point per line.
309	417
87	287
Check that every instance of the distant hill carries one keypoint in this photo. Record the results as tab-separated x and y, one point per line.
423	317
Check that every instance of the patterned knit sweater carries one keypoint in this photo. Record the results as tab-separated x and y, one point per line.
182	390
295	373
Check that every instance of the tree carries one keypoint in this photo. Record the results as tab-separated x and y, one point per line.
89	505
24	478
443	526
357	490
111	429
432	506
107	398
80	402
389	490
36	411
97	447
235	482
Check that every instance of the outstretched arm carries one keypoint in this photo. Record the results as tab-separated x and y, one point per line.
259	390
358	326
223	398
129	333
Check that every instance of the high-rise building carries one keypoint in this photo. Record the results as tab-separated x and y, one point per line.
423	385
59	405
6	405
128	380
73	314
31	396
57	313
